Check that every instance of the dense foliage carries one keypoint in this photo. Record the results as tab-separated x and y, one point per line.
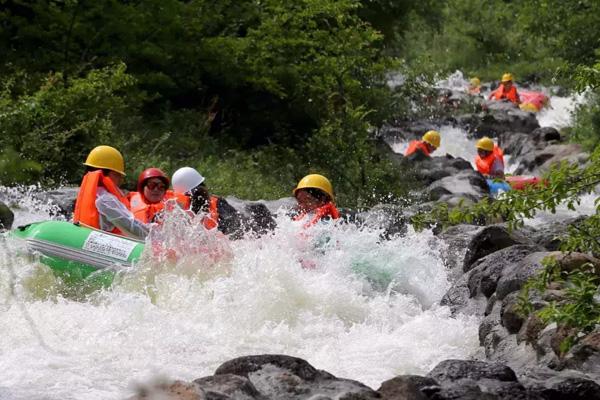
246	90
535	39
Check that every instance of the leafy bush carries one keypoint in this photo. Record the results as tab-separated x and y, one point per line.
58	124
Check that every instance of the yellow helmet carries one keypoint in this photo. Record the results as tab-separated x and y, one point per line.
485	143
475	82
315	181
433	138
106	157
507	77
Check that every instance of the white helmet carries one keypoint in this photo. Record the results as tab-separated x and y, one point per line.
185	179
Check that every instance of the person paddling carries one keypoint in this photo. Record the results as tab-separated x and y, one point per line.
100	203
489	159
429	143
314	194
219	213
506	90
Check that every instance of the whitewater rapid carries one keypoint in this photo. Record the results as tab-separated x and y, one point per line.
366	311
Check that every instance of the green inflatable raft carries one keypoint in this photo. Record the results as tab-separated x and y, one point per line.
79	254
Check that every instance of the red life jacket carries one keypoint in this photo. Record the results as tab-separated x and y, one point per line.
85	205
416	145
500	94
211	221
484	165
327	210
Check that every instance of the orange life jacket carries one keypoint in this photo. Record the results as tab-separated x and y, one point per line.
144	211
211	221
85	205
500	94
416	145
327	210
484	165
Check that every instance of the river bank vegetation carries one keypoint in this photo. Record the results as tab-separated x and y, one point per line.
255	94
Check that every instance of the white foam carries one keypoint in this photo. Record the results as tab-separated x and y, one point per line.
367	311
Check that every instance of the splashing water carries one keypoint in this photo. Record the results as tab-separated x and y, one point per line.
367	310
560	113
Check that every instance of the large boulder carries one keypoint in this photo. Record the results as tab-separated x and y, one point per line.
453	370
540	161
406	387
551	235
564	385
585	355
457	239
516	275
487	271
6	217
284	377
498	118
489	240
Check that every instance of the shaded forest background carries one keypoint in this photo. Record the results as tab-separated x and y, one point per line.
256	94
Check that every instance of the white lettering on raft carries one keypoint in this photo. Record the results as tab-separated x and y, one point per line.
109	245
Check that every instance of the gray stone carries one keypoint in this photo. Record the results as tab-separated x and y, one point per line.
514	277
279	376
489	240
404	388
486	272
228	386
6	217
584	355
453	370
510	314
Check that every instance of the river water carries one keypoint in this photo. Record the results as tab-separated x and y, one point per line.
366	310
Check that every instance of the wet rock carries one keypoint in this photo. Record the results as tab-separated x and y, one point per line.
585	355
540	161
551	235
453	370
177	390
405	387
518	144
6	217
435	168
564	385
280	376
500	117
484	276
464	389
466	183
506	390
531	329
228	386
559	338
489	240
571	261
510	314
457	238
458	298
515	275
491	321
